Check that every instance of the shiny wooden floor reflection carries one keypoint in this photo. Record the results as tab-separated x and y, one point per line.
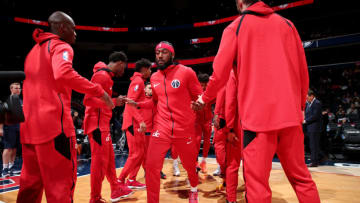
336	185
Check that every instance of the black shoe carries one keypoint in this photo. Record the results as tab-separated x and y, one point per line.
198	169
312	165
5	173
163	176
13	171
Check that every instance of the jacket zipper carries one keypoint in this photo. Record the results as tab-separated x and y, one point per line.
167	103
62	114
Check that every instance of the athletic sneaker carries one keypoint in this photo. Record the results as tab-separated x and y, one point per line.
13	172
162	175
217	172
121	193
203	167
98	200
176	169
5	173
193	197
135	184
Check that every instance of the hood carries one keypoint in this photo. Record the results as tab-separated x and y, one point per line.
260	7
40	36
99	65
136	74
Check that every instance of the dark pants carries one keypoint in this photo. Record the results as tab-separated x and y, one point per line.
314	142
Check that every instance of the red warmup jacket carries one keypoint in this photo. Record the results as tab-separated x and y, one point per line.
220	104
47	89
231	103
97	113
271	69
136	92
173	90
149	115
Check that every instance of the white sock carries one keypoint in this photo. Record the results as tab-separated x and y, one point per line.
5	166
193	189
175	161
11	165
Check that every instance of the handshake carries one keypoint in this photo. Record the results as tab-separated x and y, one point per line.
119	101
198	104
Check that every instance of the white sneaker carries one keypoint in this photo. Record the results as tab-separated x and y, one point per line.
176	168
217	172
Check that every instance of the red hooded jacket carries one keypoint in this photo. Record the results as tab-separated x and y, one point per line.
231	103
271	69
50	78
173	90
136	92
97	113
220	104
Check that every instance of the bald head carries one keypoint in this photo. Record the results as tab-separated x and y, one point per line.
63	25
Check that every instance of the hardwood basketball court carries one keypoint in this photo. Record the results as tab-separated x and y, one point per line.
335	184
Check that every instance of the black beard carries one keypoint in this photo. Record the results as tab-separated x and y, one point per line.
165	65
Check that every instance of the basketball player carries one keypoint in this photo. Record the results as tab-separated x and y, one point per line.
48	135
174	88
97	126
269	67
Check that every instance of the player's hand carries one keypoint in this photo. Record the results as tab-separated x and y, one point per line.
107	99
131	102
216	121
1	130
120	100
198	105
232	138
142	128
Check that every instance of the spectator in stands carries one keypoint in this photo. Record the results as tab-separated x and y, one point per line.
352	113
11	140
77	120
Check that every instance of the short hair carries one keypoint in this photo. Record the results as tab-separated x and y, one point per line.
147	83
249	2
142	63
13	84
203	77
311	93
118	56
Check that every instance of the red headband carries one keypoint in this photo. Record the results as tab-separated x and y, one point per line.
165	46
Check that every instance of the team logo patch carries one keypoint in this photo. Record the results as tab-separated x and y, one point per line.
175	83
155	85
66	55
136	88
156	134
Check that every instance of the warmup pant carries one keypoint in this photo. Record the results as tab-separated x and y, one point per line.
314	142
146	145
136	155
174	154
203	131
160	143
50	166
220	149
233	158
258	152
102	163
